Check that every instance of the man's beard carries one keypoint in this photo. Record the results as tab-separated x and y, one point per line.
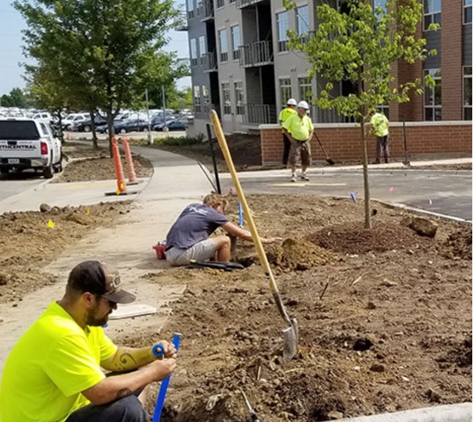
93	321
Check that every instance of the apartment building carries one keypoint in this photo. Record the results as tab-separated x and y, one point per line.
241	65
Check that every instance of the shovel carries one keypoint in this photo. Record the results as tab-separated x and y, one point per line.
291	332
329	160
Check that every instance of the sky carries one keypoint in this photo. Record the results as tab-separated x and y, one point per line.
11	54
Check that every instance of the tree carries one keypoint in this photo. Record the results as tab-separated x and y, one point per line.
16	98
107	52
359	45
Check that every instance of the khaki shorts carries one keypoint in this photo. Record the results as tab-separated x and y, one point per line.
201	251
301	150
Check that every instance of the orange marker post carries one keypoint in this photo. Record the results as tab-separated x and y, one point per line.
130	162
119	172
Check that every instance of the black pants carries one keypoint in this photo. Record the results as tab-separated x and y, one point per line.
287	144
382	149
128	409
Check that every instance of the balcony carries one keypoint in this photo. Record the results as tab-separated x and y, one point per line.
241	4
210	64
207	10
259	114
256	54
182	22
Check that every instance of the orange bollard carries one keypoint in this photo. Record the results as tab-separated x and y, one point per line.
119	172
130	162
68	136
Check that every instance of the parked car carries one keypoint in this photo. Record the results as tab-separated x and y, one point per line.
43	117
133	125
86	125
171	125
72	119
28	143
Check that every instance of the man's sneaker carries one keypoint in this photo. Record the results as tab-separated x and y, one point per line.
303	176
294	178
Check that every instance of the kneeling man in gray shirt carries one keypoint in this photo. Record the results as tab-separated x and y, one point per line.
188	237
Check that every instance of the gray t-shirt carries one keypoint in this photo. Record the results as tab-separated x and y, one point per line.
195	223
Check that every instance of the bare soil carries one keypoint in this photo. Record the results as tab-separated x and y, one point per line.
88	163
29	242
384	318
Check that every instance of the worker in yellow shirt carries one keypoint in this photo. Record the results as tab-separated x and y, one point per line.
54	373
299	129
283	116
380	125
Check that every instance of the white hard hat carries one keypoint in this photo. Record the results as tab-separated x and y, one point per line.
303	104
292	102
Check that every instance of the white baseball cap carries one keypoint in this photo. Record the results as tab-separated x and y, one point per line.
303	104
292	102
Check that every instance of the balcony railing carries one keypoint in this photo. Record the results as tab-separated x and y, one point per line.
256	54
182	22
209	62
259	114
240	4
206	10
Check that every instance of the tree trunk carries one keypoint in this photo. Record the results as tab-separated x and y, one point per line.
364	149
110	130
93	130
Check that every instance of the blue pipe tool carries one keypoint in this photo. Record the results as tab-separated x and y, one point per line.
240	214
176	340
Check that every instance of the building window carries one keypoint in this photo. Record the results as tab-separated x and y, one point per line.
467	11
199	7
191	8
239	97
433	96
467	93
206	99
282	27
219	3
305	91
226	91
194	53
236	39
285	91
197	98
431	12
202	49
223	46
302	21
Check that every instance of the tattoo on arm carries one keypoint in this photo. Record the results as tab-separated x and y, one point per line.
126	358
123	393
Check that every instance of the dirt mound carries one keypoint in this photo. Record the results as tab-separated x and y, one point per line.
353	238
101	168
458	245
298	254
30	240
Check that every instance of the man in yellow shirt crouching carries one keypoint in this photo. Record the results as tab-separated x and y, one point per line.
53	373
299	129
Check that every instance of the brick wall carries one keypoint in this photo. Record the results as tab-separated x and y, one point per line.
342	141
451	59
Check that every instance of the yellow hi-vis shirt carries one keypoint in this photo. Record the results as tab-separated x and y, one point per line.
49	367
285	114
380	124
299	128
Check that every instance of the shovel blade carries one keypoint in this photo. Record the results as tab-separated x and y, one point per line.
291	339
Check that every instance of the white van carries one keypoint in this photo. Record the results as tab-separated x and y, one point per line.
29	144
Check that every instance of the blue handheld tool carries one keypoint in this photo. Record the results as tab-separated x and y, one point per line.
240	214
353	197
164	385
158	350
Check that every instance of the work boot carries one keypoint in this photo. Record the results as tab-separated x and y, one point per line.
293	178
304	176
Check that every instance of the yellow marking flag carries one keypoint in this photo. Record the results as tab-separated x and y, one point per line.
50	224
88	211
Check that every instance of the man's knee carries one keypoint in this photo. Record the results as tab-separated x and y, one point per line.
129	409
222	242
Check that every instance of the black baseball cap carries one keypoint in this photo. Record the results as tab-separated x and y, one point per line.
95	277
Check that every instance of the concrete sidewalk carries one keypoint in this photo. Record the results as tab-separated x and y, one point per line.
176	182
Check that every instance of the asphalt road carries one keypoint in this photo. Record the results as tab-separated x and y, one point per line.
442	192
16	183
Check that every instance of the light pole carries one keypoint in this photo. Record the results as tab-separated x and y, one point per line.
165	129
149	134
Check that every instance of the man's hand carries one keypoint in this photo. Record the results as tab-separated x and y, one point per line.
269	240
162	368
169	349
